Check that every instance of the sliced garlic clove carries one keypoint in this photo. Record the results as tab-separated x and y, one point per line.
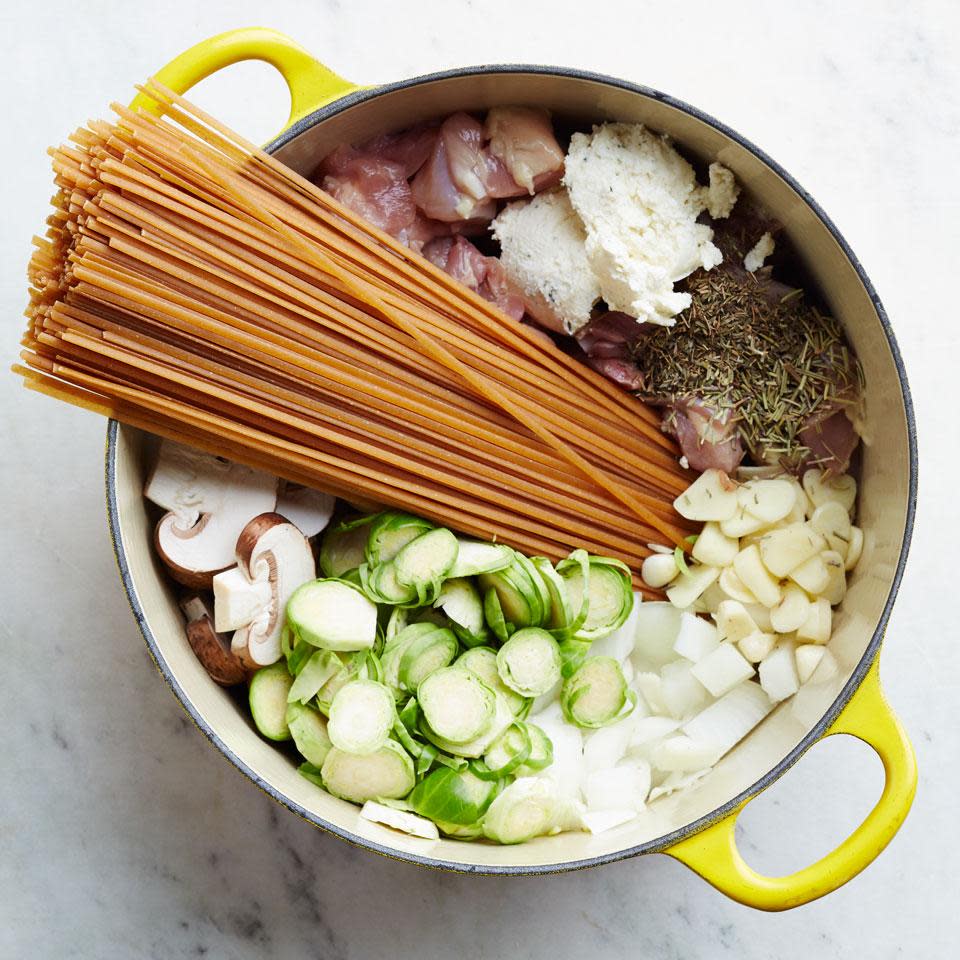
855	549
768	500
832	522
733	621
712	496
741	523
783	550
686	589
714	547
755	576
841	489
792	610
812	575
733	586
819	623
836	588
757	646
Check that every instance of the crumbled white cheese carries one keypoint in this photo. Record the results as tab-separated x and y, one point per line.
639	201
758	253
722	193
543	249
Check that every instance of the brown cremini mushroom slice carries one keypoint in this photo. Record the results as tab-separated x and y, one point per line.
212	648
209	501
307	509
273	559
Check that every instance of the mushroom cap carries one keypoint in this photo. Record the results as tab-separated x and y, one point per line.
271	549
211	648
209	501
306	508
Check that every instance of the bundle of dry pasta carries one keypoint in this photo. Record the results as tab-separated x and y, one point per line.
192	285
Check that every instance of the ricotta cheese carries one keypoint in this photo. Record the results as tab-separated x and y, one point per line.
543	249
722	193
758	253
638	201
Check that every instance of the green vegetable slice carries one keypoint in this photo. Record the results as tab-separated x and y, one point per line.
381	585
605	593
460	600
426	654
342	548
333	614
457	704
396	647
483	662
362	665
269	688
362	717
309	732
562	619
521	597
388	773
424	562
456	797
529	662
541	752
506	753
502	719
313	674
528	808
389	533
475	557
596	694
493	614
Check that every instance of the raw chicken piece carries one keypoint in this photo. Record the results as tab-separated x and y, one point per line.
831	438
522	137
410	148
465	263
707	438
440	197
472	166
374	188
609	341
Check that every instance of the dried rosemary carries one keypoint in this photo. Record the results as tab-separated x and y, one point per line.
772	360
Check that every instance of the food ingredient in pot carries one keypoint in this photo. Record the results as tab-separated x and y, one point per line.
543	250
568	704
639	202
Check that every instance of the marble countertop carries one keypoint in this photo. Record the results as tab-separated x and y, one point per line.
123	834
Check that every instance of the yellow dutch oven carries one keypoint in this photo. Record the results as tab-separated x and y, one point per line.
696	826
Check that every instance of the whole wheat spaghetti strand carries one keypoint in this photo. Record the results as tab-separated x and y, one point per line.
530	419
192	285
169	101
569	509
344	213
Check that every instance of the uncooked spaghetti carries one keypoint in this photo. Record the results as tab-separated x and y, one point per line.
194	286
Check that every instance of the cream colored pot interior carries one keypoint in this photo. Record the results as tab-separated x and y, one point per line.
883	501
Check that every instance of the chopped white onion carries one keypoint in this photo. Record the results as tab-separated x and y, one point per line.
723	669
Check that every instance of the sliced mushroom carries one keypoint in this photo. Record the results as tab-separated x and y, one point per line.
212	648
273	559
209	500
308	509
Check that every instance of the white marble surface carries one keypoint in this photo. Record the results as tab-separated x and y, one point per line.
124	835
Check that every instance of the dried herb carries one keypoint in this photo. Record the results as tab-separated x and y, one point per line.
757	349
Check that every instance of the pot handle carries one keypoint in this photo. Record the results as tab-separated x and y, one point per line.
713	854
311	84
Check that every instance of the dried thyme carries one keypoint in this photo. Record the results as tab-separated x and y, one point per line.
773	362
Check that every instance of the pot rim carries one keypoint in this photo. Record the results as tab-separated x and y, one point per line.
816	731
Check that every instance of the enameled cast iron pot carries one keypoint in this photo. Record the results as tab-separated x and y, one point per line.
695	827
